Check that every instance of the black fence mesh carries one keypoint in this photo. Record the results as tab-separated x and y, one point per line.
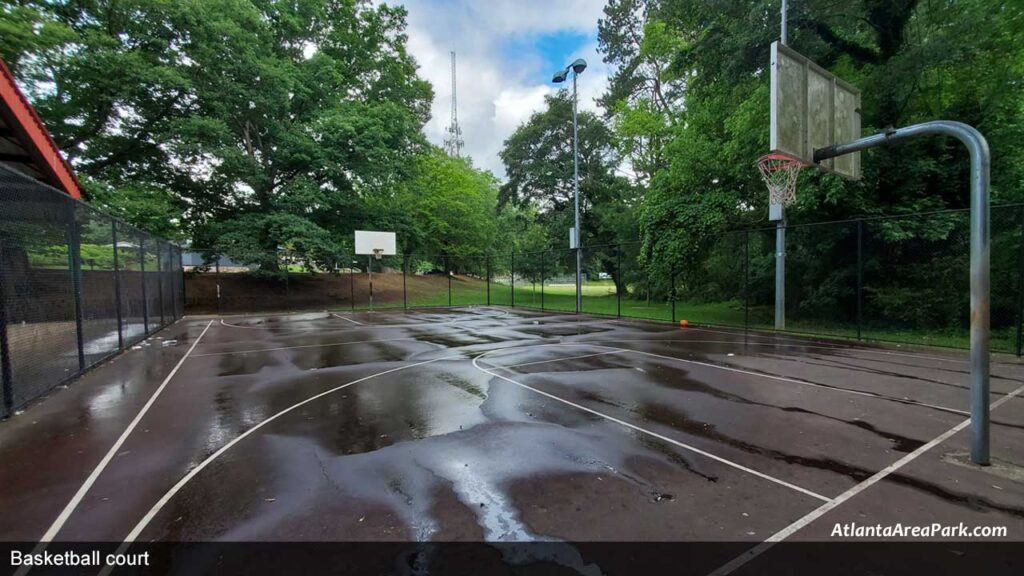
130	281
821	279
499	285
70	288
898	279
100	334
468	275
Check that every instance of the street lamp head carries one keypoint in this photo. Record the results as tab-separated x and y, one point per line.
579	65
560	76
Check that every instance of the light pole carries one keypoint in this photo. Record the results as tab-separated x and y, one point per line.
577	68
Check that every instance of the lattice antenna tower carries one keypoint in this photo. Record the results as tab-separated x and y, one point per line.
453	140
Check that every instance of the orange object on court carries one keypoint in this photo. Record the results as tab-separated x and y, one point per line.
684	323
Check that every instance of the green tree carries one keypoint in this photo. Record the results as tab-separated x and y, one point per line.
644	94
270	122
447	207
914	61
538	159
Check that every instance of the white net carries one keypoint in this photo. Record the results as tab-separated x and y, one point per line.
378	253
780	173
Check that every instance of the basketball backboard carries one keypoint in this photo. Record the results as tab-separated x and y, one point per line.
812	109
375	243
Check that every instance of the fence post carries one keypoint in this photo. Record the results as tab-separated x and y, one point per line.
117	287
160	285
180	298
5	348
542	281
142	274
75	260
746	284
860	277
448	271
619	281
1020	279
513	278
216	272
287	289
672	293
487	260
405	289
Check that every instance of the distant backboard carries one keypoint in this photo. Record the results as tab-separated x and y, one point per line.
369	243
811	109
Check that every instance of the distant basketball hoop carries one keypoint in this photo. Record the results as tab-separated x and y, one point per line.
374	245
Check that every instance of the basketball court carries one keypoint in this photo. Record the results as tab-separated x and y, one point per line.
492	424
495	426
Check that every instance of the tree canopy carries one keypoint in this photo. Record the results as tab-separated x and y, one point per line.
689	102
250	126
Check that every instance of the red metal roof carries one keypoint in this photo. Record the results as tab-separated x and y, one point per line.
25	144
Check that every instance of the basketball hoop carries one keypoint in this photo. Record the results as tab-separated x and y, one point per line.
378	253
780	172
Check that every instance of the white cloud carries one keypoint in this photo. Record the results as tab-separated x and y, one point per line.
497	88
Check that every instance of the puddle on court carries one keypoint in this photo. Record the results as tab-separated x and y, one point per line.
448	429
459	339
362	353
238	364
477	464
548	330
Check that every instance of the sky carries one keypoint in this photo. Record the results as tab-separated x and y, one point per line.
507	51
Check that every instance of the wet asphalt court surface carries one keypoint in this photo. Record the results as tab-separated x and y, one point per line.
488	424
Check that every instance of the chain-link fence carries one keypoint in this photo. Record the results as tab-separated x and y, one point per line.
76	286
894	278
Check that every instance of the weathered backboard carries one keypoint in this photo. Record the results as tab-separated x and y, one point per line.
367	242
811	109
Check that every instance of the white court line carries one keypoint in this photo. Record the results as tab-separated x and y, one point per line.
840	346
141	525
740	343
801	382
693	449
274	327
336	315
554	360
54	528
617	350
788	531
748	372
466	317
254	350
300	346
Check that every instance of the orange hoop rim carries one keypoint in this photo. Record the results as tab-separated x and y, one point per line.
782	161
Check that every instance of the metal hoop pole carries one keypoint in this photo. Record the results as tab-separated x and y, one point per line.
980	256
